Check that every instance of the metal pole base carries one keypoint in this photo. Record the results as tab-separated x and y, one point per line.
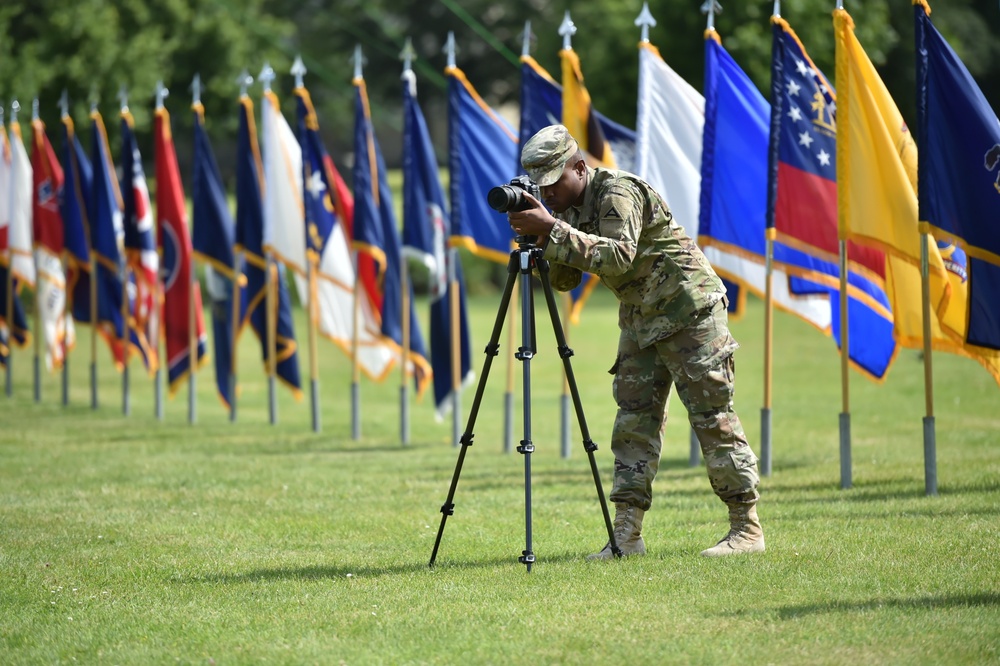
765	441
845	451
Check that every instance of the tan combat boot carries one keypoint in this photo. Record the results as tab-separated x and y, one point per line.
628	533
745	534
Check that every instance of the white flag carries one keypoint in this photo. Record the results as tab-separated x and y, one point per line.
284	223
670	125
19	212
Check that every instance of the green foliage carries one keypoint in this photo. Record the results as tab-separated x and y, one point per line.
133	541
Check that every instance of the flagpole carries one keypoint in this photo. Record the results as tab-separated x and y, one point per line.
454	306
765	410
37	370
9	383
930	444
358	60
265	77
67	304
845	415
124	272
564	398
404	413
244	80
93	297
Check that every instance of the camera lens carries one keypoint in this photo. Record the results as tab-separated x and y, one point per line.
503	198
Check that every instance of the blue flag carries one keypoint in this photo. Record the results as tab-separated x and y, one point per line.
106	239
73	207
482	154
802	207
212	237
373	209
426	230
250	234
959	181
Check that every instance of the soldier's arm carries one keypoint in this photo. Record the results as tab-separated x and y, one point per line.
610	252
564	278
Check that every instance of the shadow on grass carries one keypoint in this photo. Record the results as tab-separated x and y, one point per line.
359	571
874	491
914	603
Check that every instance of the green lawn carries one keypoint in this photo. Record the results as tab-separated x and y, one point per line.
126	540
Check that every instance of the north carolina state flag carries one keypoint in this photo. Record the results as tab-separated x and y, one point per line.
175	244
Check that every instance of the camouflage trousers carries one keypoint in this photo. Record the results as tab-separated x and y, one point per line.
698	361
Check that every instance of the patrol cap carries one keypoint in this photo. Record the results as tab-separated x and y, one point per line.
545	154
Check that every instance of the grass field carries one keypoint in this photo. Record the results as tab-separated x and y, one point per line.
126	540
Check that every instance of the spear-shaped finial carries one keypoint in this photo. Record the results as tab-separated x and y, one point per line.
1	115
298	71
526	37
358	59
266	76
123	97
567	29
449	48
162	92
645	21
407	54
95	97
840	4
15	106
64	104
244	79
776	11
711	7
34	109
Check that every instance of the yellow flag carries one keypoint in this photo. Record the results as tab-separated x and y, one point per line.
877	202
578	112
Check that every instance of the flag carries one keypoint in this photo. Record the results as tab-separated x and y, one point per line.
959	189
578	113
48	230
329	208
106	242
541	106
179	285
73	206
251	236
376	234
877	201
425	234
482	154
140	245
802	205
16	330
734	175
212	239
19	202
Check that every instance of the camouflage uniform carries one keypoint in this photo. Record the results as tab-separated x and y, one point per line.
674	331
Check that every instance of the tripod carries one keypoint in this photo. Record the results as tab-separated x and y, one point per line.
522	260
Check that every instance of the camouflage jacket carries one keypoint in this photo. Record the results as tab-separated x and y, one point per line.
625	234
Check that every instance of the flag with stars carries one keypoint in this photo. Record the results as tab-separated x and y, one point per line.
802	206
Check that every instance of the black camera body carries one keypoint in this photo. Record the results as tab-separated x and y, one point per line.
510	197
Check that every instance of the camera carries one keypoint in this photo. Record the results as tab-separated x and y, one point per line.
510	197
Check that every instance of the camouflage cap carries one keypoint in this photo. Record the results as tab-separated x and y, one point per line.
545	154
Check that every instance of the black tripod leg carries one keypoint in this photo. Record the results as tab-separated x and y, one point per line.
525	354
565	353
492	349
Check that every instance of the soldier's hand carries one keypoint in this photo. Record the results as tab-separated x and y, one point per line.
535	221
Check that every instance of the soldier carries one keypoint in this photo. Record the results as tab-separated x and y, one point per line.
674	330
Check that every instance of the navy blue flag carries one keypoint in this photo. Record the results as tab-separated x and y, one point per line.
482	153
73	207
212	237
250	235
373	208
959	182
107	243
802	207
426	232
18	333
